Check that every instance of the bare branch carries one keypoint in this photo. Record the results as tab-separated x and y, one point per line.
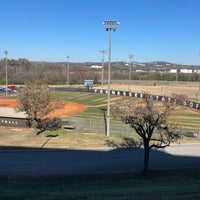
36	101
150	122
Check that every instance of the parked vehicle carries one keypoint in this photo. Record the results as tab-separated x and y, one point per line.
13	88
1	88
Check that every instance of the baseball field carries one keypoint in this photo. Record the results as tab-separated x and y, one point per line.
87	108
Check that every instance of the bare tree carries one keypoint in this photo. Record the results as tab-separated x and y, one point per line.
35	100
181	99
149	120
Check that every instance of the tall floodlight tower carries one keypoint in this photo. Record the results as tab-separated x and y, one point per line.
130	70
102	72
68	71
109	26
6	53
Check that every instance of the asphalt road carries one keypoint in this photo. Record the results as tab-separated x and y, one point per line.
57	162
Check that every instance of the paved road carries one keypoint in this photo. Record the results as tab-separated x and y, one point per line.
46	162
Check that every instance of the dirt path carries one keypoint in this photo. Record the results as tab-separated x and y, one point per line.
69	108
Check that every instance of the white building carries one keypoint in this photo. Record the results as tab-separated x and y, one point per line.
186	71
95	67
197	71
173	71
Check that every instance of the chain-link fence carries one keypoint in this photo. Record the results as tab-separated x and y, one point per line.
97	126
117	128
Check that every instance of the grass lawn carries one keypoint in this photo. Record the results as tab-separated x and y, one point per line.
162	185
96	105
25	138
191	89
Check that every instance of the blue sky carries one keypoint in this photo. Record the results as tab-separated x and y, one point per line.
151	30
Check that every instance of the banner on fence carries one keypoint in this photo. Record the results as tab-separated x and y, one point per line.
190	104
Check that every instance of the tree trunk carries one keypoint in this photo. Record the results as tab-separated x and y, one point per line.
146	157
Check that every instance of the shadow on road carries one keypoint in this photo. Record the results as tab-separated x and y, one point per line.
33	161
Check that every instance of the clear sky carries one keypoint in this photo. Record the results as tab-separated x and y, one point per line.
151	30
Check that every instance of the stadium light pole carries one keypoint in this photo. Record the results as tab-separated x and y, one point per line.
110	26
6	53
68	70
176	73
102	72
130	68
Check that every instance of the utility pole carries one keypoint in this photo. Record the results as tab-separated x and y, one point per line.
102	72
177	73
68	71
6	53
109	26
130	71
199	80
199	83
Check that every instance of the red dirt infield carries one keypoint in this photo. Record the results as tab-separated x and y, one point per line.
68	109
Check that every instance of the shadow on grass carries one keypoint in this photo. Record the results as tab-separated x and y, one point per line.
127	142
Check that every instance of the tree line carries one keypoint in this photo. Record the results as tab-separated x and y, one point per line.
21	70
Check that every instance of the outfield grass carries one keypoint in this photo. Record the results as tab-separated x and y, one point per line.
96	105
162	185
190	89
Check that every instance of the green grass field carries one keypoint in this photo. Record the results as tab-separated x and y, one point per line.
162	185
96	103
166	88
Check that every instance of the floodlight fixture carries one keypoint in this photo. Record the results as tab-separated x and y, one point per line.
110	25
